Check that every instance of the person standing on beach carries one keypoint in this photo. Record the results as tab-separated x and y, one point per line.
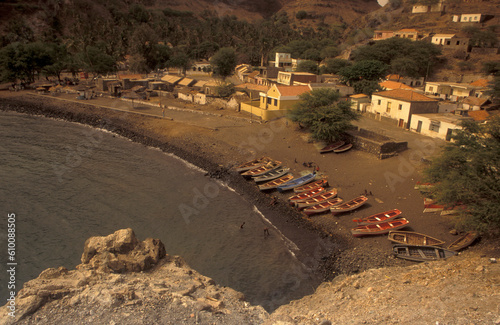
163	112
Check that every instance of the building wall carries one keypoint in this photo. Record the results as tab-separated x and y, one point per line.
471	18
266	115
400	111
434	132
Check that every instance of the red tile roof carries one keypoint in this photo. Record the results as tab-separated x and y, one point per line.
405	95
394	85
480	83
479	115
252	87
293	90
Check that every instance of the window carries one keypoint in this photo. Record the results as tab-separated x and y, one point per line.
400	107
269	100
275	102
431	89
388	110
379	102
434	126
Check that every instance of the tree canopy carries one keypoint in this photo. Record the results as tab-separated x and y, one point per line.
224	62
467	174
323	114
363	70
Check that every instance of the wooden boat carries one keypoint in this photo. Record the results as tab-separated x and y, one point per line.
317	199
322	207
379	217
262	169
252	164
299	197
296	182
270	175
379	228
433	208
413	238
307	187
275	182
343	148
423	186
331	147
465	240
349	205
421	253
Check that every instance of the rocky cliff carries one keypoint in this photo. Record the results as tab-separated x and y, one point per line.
123	280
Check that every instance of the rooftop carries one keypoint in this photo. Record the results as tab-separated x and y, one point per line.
394	85
405	95
293	90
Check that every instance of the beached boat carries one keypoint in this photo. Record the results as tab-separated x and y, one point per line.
423	186
270	175
464	241
275	182
331	147
307	187
379	217
317	199
433	207
379	228
322	207
252	164
262	169
413	238
296	182
343	148
305	195
421	253
349	205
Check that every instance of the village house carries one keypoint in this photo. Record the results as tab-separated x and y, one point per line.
252	77
291	78
276	101
283	60
201	66
186	82
399	105
468	18
411	34
359	102
252	90
452	91
242	70
412	82
390	85
420	8
439	126
451	41
475	104
268	75
379	35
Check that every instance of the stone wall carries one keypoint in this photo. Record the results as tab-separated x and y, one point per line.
376	144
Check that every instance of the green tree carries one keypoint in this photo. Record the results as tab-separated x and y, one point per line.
180	60
405	67
24	62
225	89
224	62
334	65
329	52
467	173
301	14
491	67
312	54
367	87
307	66
96	61
323	114
363	70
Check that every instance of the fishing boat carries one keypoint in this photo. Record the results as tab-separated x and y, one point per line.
296	182
275	182
317	199
299	197
413	238
379	228
349	205
322	207
422	253
430	205
331	147
423	186
464	241
379	217
270	175
307	187
262	169
252	164
343	148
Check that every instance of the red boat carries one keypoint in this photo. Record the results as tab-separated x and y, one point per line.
332	147
379	217
305	195
349	205
379	228
325	196
307	187
322	207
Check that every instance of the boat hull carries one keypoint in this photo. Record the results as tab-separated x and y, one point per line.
296	182
379	228
413	238
322	207
379	217
275	183
421	253
349	205
307	187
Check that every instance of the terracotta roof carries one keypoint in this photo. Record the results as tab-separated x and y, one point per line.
129	76
405	95
253	74
479	115
394	85
358	96
186	82
252	87
480	83
293	90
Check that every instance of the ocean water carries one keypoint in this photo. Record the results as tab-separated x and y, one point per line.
66	182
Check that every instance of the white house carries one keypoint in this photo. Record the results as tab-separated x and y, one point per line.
399	105
441	39
471	18
283	60
452	90
439	126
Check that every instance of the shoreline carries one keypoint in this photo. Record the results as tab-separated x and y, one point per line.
107	120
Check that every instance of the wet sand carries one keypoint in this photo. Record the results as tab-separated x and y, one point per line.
217	140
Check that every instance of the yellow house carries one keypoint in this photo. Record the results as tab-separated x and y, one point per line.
276	101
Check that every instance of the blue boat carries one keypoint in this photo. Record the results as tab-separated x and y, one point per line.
296	182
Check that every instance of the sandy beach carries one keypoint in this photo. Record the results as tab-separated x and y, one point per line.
217	140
